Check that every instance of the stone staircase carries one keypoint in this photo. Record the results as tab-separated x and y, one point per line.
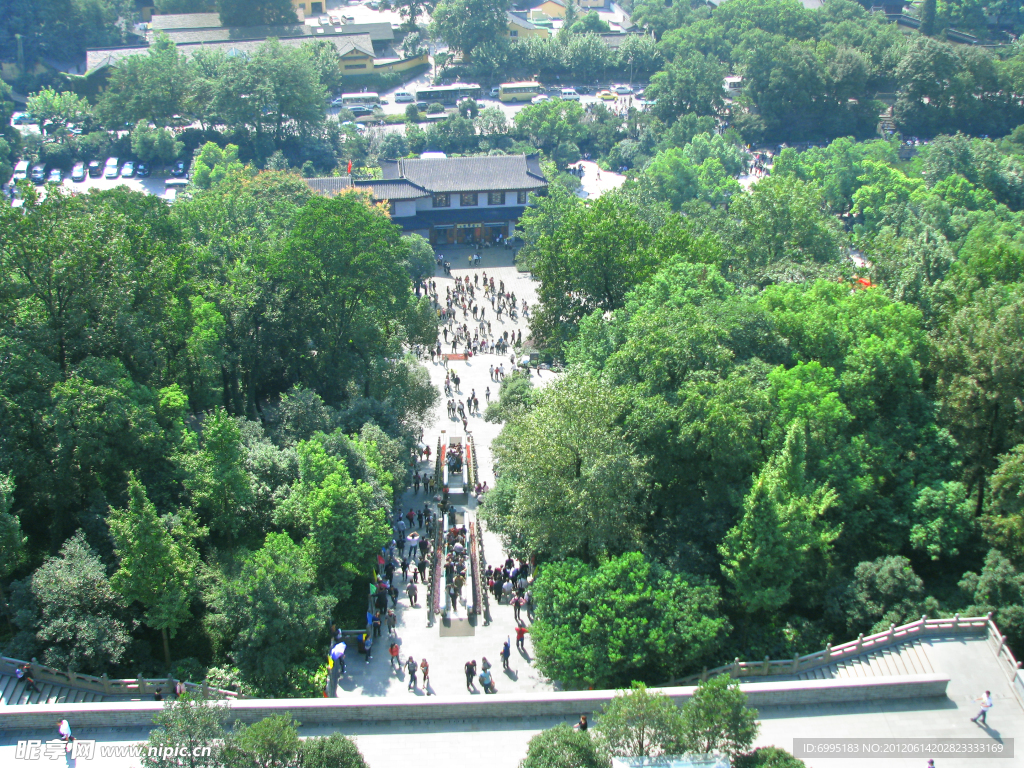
903	659
14	692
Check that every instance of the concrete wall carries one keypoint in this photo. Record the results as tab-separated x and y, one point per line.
427	203
401	65
477	708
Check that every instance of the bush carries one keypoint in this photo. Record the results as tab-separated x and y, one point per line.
412	113
563	747
53	153
334	751
435	109
768	757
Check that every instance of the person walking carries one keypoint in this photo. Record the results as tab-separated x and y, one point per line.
425	669
581	725
470	674
521	631
375	622
392	621
506	652
986	704
413	592
410	667
396	663
24	673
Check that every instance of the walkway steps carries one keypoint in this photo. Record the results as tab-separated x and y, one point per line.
14	692
892	661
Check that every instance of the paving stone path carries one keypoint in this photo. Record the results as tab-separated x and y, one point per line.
448	655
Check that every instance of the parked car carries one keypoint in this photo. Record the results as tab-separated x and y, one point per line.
495	91
95	169
403	97
324	21
38	174
422	106
606	95
360	111
178	169
78	172
540	97
22	118
20	171
128	170
622	90
569	94
337	101
112	168
142	170
56	176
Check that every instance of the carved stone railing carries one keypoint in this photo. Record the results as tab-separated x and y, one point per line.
923	627
139	686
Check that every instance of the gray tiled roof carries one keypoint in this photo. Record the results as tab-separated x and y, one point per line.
400	189
469	174
329	185
378	32
99	57
185	20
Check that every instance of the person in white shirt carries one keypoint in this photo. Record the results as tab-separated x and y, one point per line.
986	705
64	730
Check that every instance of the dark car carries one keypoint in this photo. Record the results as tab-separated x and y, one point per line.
178	169
422	106
359	111
142	170
95	169
38	174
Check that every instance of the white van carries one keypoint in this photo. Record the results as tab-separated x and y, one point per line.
495	91
20	171
569	94
403	97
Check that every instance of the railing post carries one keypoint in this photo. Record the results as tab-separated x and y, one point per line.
860	642
704	675
736	667
767	665
142	685
956	621
828	651
105	681
924	622
71	676
892	632
206	689
796	664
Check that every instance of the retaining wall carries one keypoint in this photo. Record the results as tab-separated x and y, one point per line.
555	704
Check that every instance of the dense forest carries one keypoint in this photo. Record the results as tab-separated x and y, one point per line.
752	452
205	411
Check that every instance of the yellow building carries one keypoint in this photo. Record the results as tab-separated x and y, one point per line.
304	8
519	28
553	9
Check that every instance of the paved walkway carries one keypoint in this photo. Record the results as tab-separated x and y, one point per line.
448	655
596	182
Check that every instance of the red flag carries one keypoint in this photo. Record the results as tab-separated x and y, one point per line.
350	166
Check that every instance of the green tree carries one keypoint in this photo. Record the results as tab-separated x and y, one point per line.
717	719
68	611
627	619
154	144
273	742
271	614
781	530
882	592
12	542
54	110
563	747
978	365
551	123
213	164
190	722
687	85
569	483
334	751
1004	521
215	474
420	259
151	88
999	590
157	561
465	24
638	723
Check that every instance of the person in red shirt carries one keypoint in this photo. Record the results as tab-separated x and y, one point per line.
521	631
